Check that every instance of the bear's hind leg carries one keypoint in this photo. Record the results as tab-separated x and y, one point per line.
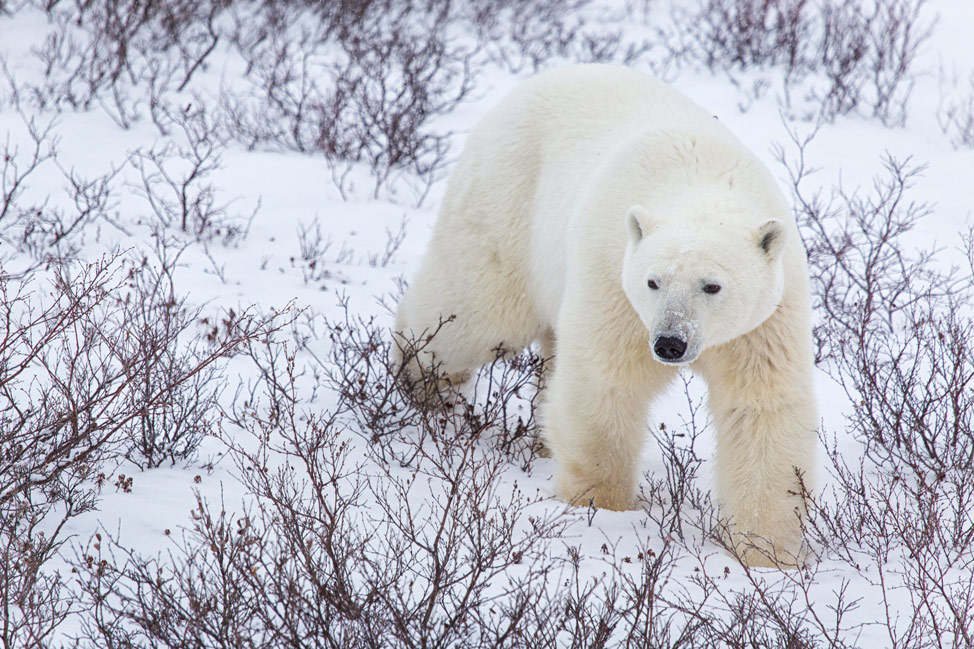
452	324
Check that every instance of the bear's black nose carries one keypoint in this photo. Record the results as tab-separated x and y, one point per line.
669	348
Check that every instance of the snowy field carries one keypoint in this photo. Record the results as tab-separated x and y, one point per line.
208	211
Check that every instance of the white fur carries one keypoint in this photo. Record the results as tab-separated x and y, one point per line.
580	187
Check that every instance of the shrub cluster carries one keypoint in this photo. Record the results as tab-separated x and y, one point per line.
862	51
359	83
92	370
956	110
896	333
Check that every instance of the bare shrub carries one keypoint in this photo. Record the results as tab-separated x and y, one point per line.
316	259
164	347
36	602
864	50
955	111
670	500
867	56
394	239
755	32
99	52
70	389
845	46
357	84
525	35
16	219
896	34
45	231
16	169
341	547
381	404
52	354
896	336
356	87
49	453
176	183
338	551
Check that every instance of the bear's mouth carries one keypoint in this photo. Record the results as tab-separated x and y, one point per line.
682	361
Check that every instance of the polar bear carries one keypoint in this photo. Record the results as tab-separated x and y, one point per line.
601	214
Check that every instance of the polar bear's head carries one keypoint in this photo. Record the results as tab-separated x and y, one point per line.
699	286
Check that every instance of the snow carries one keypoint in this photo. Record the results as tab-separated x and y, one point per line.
292	191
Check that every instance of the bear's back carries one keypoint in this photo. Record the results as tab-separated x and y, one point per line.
597	103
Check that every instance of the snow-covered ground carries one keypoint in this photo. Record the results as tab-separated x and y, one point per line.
285	199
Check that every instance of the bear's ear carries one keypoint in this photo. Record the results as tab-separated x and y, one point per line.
771	238
638	223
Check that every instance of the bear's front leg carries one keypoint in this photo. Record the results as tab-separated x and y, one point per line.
593	418
762	403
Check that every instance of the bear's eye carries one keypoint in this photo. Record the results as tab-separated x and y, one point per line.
652	284
711	289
